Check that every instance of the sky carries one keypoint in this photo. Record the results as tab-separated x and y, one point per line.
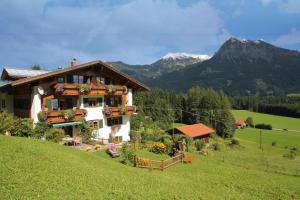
52	32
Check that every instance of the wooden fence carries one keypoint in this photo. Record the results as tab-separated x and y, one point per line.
156	164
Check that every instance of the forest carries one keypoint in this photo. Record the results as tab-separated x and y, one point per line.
198	105
288	106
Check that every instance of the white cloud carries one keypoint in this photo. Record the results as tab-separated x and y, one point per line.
49	32
288	6
291	38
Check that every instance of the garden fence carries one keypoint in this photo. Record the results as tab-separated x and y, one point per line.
156	164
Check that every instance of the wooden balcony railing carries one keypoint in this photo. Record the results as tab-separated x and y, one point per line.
118	111
65	116
86	89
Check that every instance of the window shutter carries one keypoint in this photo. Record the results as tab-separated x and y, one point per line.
49	104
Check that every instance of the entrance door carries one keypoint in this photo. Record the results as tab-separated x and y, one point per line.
69	130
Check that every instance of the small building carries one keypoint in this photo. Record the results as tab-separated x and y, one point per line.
240	123
196	131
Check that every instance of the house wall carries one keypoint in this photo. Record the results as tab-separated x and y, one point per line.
9	102
103	133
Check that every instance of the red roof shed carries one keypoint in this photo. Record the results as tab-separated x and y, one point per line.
196	130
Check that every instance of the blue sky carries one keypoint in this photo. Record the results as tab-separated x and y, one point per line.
51	32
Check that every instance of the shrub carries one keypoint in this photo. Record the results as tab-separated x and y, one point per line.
264	126
54	134
250	122
168	142
127	154
85	131
158	148
199	144
234	142
143	161
6	122
23	127
216	147
42	116
294	149
40	129
274	143
290	155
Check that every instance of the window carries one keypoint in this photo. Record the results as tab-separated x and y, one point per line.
92	102
96	124
3	104
60	80
113	101
114	121
100	80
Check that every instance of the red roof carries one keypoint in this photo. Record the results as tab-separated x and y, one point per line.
195	130
240	122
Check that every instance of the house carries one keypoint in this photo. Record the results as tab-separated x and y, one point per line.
196	131
94	91
240	123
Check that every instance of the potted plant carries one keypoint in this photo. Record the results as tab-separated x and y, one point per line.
69	114
111	89
107	111
123	109
84	88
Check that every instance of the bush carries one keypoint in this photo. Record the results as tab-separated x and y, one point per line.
216	147
199	144
234	142
85	131
159	148
250	122
40	129
264	126
294	149
168	142
23	127
54	134
274	143
127	154
42	116
290	155
6	122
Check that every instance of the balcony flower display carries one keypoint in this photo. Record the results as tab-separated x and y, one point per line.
84	88
107	111
68	114
111	88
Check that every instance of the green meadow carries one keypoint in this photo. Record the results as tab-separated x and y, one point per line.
33	169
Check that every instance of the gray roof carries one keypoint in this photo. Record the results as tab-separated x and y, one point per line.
24	72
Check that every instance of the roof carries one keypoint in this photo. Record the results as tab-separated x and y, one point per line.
75	68
195	130
24	73
240	122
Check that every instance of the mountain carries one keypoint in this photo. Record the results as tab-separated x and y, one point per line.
169	63
240	67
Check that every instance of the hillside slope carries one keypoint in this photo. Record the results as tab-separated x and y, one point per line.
241	67
32	169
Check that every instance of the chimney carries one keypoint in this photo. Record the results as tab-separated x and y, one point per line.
73	62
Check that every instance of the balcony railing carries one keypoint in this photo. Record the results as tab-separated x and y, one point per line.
118	111
88	89
65	116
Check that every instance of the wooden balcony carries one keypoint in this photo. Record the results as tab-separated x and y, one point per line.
61	116
75	89
119	111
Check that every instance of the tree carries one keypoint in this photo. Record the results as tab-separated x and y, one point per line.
36	67
85	131
249	122
23	127
6	122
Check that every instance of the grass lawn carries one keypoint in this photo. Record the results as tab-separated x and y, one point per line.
32	169
276	121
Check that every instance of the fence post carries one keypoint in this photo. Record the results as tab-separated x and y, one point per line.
134	161
162	165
